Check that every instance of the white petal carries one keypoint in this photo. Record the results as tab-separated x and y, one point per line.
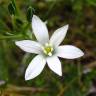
35	67
69	52
46	22
40	30
59	35
29	46
55	65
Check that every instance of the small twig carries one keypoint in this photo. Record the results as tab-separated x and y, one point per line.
91	65
13	88
1	93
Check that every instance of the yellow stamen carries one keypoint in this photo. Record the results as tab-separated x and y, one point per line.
48	49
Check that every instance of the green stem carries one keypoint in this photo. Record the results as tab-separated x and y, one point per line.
11	37
25	28
61	93
79	76
13	21
50	9
79	72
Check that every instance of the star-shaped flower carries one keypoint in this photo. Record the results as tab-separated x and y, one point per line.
47	50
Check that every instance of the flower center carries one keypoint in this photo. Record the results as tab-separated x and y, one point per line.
48	49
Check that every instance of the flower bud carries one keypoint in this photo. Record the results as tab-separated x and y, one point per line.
30	12
12	7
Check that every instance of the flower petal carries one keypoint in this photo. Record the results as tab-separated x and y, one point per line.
40	30
29	46
55	65
59	35
35	67
69	52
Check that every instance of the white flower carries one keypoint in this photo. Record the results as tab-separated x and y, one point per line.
47	50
